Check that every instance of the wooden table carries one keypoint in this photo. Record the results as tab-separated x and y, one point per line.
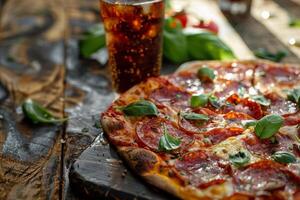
39	59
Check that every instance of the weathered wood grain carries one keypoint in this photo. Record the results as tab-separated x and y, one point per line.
31	66
278	24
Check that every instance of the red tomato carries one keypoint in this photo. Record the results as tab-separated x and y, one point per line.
182	17
208	25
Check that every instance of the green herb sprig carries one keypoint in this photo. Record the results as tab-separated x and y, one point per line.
206	74
294	96
203	99
284	157
265	54
194	116
92	41
168	142
267	126
199	100
239	159
37	114
140	108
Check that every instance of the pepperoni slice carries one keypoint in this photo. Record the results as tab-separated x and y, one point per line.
150	131
272	75
202	169
196	126
171	96
239	72
191	82
279	105
292	119
227	88
218	135
261	176
243	105
268	147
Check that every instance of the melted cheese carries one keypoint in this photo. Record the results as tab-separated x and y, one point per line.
219	191
233	145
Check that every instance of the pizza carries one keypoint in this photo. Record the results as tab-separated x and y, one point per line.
213	130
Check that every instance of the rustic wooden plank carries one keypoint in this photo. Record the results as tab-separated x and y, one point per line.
278	26
88	90
31	65
259	33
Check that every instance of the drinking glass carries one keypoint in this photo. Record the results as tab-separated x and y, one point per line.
134	39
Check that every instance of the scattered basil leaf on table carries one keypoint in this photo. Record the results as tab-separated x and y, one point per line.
207	46
194	116
239	159
294	96
265	54
284	157
294	23
206	74
92	41
248	123
38	114
267	126
261	100
199	100
140	108
168	142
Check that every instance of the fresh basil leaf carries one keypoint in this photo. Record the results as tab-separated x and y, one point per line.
261	100
267	126
294	96
294	23
206	74
140	108
175	47
214	101
207	46
240	159
194	116
265	54
167	142
248	123
92	41
199	100
284	157
38	114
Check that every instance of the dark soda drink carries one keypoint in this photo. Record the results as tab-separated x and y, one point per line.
134	39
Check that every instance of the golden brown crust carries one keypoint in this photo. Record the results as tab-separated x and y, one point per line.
194	65
140	160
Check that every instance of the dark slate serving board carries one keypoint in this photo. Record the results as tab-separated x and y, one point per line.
99	172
